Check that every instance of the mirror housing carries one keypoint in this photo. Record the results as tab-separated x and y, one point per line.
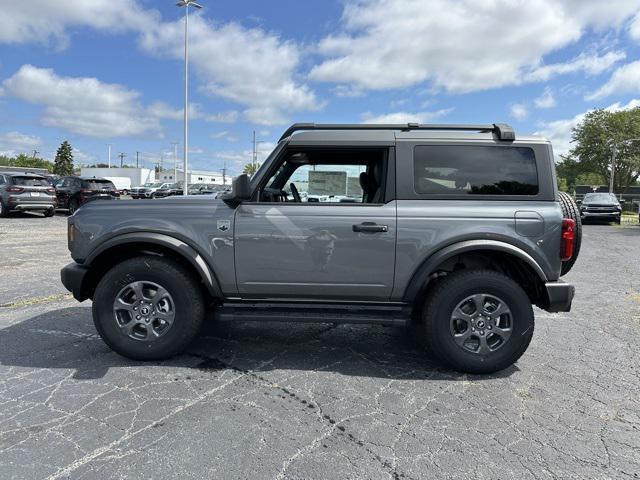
240	190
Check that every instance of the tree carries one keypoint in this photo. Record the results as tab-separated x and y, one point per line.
63	164
596	136
250	168
26	161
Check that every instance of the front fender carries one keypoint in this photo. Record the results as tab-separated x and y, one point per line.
183	249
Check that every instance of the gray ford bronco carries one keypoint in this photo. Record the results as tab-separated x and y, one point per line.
454	230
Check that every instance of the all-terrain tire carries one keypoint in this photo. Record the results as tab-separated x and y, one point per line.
187	302
447	294
570	210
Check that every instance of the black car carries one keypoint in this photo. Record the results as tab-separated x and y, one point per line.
73	192
600	206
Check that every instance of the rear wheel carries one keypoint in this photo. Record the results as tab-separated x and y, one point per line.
50	212
570	210
73	206
4	211
148	308
477	321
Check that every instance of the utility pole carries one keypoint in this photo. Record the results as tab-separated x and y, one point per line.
613	167
224	173
137	159
122	155
35	153
255	150
109	154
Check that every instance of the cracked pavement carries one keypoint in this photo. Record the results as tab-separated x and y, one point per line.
279	401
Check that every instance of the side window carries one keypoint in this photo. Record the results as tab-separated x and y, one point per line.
327	183
1	179
474	170
328	175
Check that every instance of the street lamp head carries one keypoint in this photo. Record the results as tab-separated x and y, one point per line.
189	3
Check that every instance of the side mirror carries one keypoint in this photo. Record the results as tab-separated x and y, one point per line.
240	190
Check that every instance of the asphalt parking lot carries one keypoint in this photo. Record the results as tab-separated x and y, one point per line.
314	401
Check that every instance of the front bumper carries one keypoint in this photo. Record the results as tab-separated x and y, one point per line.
559	295
600	214
73	278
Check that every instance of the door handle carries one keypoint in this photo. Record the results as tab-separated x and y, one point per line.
370	227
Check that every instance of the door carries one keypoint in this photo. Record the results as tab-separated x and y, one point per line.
63	187
326	245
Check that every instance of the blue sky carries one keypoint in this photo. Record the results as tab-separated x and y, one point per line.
110	71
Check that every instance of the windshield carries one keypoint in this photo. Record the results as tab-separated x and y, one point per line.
151	185
265	165
600	197
30	181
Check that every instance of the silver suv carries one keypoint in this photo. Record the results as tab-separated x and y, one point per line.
22	192
454	230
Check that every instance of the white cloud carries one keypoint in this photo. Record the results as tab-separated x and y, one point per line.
462	45
82	105
13	143
224	135
518	111
546	99
625	79
250	67
559	131
165	111
405	117
47	22
590	64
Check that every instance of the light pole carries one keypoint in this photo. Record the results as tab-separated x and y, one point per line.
109	154
175	161
613	159
256	143
186	4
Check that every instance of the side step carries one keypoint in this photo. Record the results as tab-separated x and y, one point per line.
380	314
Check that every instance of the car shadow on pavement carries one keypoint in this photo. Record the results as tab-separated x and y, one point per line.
66	339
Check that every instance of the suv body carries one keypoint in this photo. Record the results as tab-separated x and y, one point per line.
148	190
600	206
169	190
26	192
73	192
435	212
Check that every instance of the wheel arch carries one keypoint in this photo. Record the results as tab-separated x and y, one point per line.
486	253
123	247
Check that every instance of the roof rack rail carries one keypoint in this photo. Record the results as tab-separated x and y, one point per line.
501	130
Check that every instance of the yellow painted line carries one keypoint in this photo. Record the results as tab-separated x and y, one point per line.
35	301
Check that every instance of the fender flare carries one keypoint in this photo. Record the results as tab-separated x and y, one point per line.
421	275
183	249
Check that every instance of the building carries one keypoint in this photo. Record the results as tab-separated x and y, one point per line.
195	176
138	176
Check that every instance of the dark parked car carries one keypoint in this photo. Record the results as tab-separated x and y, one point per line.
600	206
169	190
73	192
26	192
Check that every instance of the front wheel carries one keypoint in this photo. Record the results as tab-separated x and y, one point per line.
73	206
148	308
477	321
4	211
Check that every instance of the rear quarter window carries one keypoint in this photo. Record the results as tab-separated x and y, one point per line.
474	170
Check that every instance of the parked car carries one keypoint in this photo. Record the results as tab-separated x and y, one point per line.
458	232
169	190
25	192
73	192
146	190
600	206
